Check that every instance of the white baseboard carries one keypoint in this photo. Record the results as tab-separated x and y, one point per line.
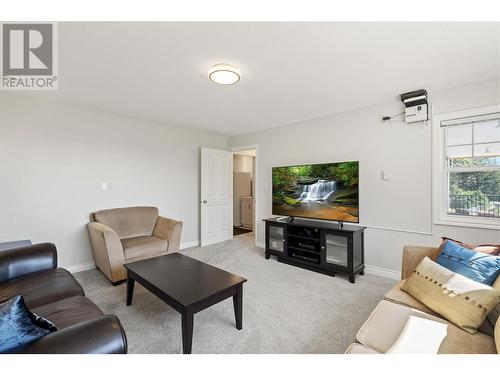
81	267
91	265
371	270
383	272
187	245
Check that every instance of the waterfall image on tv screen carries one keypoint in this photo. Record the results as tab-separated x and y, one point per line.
317	191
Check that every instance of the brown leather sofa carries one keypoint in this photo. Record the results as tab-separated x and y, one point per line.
129	234
54	293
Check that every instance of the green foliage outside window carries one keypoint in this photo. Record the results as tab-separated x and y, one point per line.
475	189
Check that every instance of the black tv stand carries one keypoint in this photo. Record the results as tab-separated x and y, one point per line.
320	246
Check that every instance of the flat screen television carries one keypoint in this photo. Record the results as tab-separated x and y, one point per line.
317	191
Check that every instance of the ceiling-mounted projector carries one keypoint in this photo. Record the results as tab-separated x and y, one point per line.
416	106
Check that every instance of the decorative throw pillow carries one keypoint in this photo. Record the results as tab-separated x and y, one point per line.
462	301
480	267
489	324
485	248
19	326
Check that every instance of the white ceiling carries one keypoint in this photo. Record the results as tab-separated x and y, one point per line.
290	71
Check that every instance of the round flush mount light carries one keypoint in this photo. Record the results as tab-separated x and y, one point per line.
224	74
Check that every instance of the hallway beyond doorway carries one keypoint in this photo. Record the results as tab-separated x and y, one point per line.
239	230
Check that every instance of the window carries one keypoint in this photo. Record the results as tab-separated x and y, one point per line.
468	175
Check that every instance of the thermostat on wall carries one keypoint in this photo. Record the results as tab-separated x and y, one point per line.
416	106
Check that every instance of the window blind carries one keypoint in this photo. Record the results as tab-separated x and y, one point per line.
472	120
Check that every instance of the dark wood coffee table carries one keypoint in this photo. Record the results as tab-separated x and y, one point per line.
188	286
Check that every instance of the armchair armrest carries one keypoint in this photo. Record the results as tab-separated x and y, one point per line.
103	335
413	255
170	230
108	250
24	260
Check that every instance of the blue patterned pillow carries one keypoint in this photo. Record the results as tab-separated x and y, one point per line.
19	326
480	267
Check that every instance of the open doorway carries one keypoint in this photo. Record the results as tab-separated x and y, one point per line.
244	177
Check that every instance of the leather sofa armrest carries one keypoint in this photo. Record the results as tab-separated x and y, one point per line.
25	260
108	250
169	230
413	255
103	335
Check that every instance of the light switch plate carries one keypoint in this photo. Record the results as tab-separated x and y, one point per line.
104	185
385	176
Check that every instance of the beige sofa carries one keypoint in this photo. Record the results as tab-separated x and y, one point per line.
123	235
386	323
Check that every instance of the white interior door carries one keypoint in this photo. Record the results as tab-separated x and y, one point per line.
216	196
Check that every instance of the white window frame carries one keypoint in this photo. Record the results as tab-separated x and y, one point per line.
440	178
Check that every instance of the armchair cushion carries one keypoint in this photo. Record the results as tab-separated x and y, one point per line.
42	288
129	222
143	246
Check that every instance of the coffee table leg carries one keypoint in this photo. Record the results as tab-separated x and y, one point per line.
130	289
187	332
238	306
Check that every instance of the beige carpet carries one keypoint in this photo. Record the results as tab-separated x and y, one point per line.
285	309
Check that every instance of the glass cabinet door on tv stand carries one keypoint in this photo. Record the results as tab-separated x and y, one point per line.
275	239
336	249
343	251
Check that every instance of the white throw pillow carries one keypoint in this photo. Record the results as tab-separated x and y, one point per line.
419	336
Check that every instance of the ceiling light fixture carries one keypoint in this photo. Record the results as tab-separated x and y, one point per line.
224	74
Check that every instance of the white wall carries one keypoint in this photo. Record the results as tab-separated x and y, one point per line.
53	158
398	211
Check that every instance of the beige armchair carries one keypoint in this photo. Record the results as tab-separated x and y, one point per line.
129	234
